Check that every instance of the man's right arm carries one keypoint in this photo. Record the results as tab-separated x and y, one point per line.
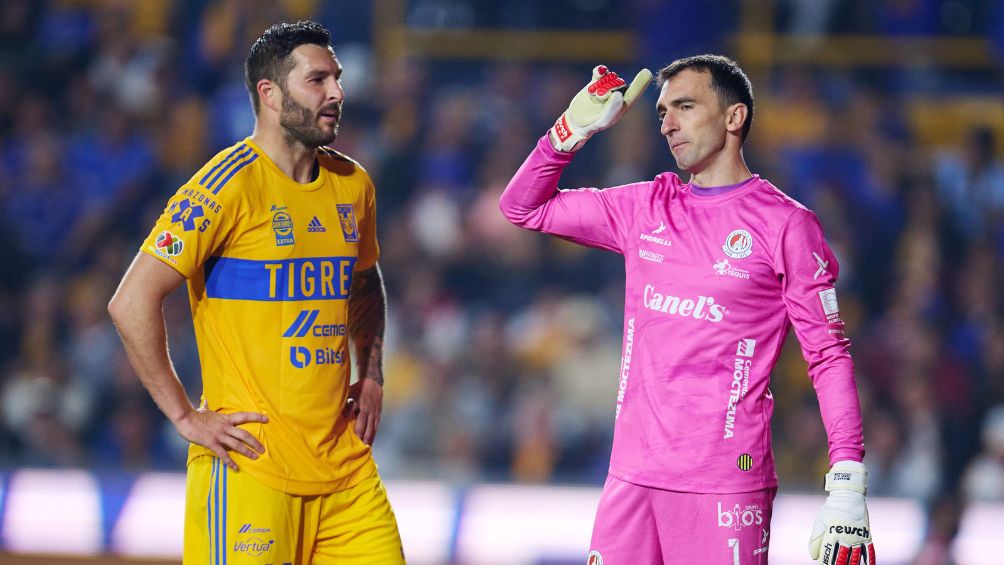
137	311
587	216
598	218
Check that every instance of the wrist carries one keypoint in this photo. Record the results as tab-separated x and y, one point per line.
182	416
565	137
551	138
561	132
847	475
378	379
849	465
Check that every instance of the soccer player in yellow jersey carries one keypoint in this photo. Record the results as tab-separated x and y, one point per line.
276	237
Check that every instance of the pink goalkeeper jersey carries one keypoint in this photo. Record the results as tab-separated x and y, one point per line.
713	285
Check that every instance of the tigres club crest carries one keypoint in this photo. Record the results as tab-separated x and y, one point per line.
347	219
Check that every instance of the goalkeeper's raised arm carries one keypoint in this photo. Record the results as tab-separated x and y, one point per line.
584	215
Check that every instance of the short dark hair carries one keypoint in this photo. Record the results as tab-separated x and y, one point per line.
269	56
727	79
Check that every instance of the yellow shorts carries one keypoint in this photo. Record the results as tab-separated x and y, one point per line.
232	519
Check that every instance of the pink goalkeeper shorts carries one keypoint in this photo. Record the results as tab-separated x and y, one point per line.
637	525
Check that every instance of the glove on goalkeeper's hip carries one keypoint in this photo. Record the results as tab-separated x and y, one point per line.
596	107
841	534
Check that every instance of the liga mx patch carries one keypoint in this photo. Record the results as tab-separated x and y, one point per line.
347	219
168	245
594	558
745	462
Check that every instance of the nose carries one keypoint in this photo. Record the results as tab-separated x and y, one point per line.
669	124
335	92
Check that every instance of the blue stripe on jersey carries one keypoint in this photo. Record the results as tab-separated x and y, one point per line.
234	172
280	280
224	544
209	514
216	511
225	160
227	164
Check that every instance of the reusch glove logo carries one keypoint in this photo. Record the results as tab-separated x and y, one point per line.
863	532
561	129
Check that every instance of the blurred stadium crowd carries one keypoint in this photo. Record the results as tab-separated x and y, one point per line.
503	346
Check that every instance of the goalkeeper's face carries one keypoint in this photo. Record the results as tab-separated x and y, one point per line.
312	97
693	120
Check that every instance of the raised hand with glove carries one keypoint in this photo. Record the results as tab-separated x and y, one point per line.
841	534
596	107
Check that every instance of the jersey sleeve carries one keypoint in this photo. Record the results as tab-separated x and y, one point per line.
194	225
808	272
589	216
369	249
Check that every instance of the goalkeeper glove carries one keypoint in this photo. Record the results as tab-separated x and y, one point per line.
596	107
841	535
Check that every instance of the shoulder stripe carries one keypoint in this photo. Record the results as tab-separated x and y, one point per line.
227	164
234	172
222	162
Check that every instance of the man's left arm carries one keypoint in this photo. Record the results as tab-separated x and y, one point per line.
366	323
808	271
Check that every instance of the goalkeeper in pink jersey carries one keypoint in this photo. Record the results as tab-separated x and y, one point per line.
719	268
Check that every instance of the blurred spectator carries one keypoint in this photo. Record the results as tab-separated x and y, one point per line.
984	477
48	412
971	184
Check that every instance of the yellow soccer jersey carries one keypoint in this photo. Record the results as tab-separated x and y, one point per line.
269	262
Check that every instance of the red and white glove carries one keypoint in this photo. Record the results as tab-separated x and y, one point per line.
596	107
841	534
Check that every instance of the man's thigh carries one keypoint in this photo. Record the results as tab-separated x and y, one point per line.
354	526
625	530
717	529
232	519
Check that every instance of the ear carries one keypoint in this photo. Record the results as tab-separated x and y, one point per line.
737	114
269	94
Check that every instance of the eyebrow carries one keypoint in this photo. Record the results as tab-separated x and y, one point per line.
676	103
324	72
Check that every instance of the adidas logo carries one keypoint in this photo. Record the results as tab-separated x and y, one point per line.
315	226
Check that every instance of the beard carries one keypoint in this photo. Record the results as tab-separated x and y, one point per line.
301	124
